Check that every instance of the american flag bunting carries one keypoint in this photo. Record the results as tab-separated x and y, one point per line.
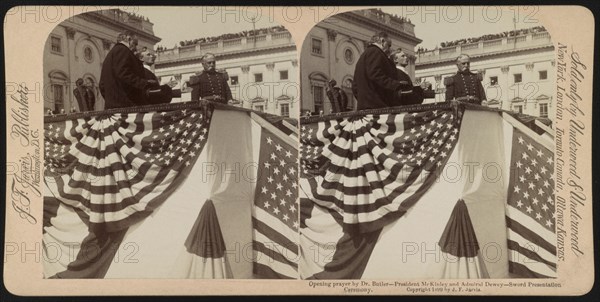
371	169
275	212
530	211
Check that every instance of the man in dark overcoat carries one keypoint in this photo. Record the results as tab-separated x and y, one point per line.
122	80
375	84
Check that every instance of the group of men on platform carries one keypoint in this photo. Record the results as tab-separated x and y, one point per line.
381	79
127	80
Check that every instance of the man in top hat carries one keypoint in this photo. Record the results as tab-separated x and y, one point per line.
337	97
85	96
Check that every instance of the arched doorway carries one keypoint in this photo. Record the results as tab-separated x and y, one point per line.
318	81
58	99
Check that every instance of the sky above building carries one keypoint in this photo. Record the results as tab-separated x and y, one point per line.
174	24
432	24
439	24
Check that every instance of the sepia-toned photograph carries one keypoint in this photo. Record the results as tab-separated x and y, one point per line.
170	146
427	148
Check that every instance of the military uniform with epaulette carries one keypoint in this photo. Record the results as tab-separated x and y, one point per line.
211	85
466	87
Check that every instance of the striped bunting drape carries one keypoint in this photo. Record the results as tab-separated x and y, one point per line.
370	169
116	168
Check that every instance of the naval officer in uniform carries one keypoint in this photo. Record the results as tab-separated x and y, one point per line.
465	85
211	84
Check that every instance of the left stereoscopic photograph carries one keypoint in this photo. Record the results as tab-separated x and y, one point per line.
170	144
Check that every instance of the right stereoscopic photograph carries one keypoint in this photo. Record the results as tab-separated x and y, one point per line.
427	146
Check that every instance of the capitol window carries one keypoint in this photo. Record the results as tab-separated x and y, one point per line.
349	56
283	74
316	46
234	80
59	97
258	77
285	110
518	77
318	82
88	54
518	108
56	44
493	81
58	85
543	74
543	110
318	93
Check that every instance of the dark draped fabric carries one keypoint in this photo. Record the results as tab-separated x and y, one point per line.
459	237
205	238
